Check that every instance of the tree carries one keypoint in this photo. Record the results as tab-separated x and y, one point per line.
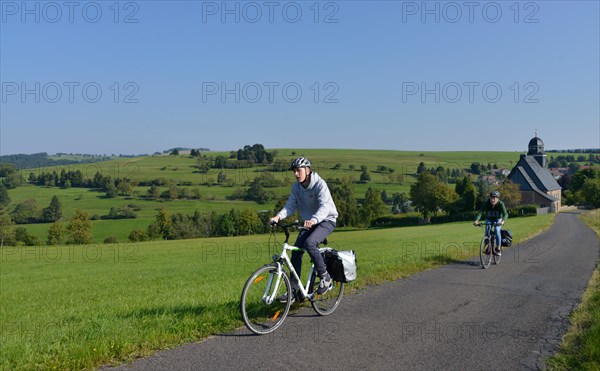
12	180
173	193
345	202
138	235
23	237
421	169
7	230
80	228
256	192
373	206
111	190
154	192
429	195
510	194
174	152
461	186
224	225
590	192
53	212
26	212
56	234
125	188
467	194
220	162
581	176
221	178
476	168
163	224
365	177
4	198
250	222
400	203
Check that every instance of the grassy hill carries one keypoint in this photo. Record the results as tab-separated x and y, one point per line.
182	170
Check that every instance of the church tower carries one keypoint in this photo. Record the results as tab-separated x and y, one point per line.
536	149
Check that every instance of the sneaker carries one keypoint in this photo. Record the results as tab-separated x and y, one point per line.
284	298
497	252
325	285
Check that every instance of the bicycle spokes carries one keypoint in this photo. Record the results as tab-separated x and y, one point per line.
262	311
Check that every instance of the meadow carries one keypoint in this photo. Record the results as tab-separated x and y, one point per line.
181	170
80	307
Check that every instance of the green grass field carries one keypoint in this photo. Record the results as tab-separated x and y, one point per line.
214	198
580	348
79	307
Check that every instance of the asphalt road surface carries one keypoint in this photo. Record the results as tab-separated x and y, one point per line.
458	317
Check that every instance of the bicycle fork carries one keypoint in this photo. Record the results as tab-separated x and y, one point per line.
269	296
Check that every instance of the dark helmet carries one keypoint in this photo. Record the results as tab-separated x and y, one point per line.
299	162
495	194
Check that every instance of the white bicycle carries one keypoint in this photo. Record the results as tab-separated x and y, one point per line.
261	304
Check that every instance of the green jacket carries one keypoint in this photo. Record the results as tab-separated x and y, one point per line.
491	212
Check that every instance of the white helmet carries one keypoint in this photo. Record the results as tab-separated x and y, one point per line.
299	162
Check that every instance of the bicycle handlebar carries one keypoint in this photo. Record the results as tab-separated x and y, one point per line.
286	227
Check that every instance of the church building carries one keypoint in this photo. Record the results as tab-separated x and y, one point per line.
536	183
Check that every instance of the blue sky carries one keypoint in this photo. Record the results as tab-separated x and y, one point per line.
136	77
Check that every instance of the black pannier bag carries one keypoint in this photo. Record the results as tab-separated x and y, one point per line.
506	237
341	265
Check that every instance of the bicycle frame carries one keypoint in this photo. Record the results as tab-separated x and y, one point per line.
286	260
283	258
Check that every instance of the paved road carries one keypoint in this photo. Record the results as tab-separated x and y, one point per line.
458	317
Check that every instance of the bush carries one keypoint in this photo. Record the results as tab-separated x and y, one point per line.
399	220
24	238
525	210
111	239
138	235
125	212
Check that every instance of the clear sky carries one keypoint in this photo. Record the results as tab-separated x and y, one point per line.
137	77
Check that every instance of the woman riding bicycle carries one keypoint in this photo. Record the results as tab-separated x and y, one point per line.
311	197
495	212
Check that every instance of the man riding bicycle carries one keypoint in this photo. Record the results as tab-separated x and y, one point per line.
311	197
495	211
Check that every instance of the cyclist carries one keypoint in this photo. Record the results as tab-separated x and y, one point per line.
495	211
311	197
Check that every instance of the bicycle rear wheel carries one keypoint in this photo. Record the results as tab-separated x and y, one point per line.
327	302
485	253
262	312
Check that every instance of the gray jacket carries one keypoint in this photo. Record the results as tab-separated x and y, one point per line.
313	202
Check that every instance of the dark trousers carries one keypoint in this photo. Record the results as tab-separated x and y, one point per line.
308	240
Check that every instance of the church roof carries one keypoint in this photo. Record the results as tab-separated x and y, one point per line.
537	177
533	186
541	175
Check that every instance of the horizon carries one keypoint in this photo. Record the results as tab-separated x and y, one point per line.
166	152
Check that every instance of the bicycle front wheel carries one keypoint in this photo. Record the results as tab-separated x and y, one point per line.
327	302
497	257
262	310
485	253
